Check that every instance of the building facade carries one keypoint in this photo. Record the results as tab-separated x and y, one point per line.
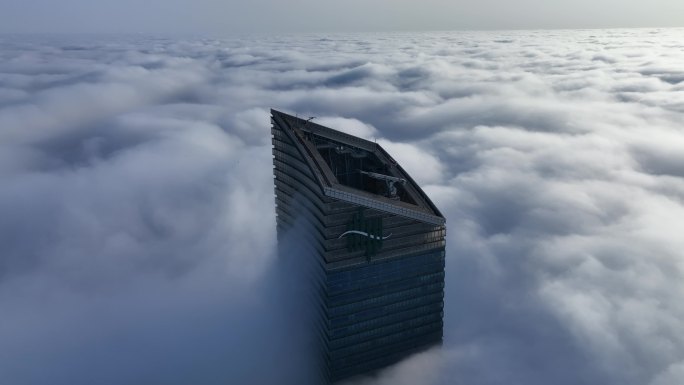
373	246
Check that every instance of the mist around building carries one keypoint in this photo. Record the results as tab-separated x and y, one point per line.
137	215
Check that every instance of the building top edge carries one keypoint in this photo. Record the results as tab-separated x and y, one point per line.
420	208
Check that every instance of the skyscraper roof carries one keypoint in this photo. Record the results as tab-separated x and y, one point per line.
358	171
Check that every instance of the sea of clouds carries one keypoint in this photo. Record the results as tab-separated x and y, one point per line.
137	225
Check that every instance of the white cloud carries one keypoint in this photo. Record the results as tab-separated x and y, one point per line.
421	165
137	201
350	126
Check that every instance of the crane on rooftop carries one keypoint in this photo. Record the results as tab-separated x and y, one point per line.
389	180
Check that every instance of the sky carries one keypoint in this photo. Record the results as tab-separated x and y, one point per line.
214	17
137	226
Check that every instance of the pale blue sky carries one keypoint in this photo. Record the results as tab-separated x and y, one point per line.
216	16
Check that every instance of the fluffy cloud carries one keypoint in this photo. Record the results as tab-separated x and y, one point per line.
137	222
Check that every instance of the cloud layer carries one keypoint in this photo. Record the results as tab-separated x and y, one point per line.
137	223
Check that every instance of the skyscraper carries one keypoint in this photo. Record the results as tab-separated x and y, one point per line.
373	246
